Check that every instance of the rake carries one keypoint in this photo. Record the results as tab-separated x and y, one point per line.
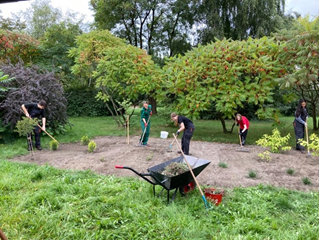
241	149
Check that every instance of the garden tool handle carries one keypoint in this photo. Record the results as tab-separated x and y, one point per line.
119	166
192	173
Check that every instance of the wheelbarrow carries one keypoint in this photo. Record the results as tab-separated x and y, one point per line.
182	182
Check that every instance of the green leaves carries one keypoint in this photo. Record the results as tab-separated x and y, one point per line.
228	73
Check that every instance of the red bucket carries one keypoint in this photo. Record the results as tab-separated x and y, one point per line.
214	195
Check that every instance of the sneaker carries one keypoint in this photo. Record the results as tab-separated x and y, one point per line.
146	145
302	151
39	148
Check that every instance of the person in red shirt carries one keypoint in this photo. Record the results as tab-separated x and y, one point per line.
243	127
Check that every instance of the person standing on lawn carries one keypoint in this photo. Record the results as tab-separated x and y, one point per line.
187	126
35	110
300	123
243	123
146	113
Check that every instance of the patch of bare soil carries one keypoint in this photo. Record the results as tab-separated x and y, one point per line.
113	151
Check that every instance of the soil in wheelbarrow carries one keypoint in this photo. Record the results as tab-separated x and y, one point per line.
113	151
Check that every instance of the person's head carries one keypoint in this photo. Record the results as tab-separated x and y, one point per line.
174	116
145	104
302	103
239	117
42	104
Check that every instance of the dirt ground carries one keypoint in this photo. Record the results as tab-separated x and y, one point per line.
113	151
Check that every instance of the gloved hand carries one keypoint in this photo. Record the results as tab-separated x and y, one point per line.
306	124
237	124
177	132
151	113
145	124
240	133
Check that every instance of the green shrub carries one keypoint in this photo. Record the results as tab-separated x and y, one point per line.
222	165
54	145
313	145
91	146
85	140
275	141
290	171
306	181
252	174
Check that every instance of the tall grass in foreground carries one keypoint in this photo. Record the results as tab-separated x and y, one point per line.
46	203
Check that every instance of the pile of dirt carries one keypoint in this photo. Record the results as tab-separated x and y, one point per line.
113	151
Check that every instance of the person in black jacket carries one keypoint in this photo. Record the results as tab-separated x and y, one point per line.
300	123
35	110
188	127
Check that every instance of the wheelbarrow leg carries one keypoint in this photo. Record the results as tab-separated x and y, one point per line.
174	194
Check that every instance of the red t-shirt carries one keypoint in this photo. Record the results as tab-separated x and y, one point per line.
243	122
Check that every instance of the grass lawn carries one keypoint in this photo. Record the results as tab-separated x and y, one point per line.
40	202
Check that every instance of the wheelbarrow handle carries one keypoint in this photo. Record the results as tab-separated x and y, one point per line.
118	166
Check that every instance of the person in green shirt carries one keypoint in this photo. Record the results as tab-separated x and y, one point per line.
146	113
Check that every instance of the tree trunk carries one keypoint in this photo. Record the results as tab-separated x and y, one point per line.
152	101
314	118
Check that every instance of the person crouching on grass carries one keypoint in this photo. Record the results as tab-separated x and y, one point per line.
34	110
243	127
188	127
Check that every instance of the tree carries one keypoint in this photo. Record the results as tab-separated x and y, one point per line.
30	85
54	51
122	73
301	59
15	46
239	19
159	26
11	24
226	73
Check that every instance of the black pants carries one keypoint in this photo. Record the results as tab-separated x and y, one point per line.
37	134
243	136
187	135
300	134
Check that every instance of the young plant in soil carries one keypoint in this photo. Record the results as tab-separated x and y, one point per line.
175	169
275	142
25	126
85	140
290	171
252	174
54	145
91	146
306	181
222	165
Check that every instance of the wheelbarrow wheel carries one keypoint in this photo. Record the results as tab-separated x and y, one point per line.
185	189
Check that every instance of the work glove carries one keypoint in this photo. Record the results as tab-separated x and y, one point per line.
177	132
145	124
306	124
240	133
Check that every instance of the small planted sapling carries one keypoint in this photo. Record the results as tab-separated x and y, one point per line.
275	142
54	145
91	146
